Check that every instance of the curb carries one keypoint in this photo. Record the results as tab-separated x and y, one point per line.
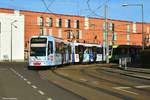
139	71
136	76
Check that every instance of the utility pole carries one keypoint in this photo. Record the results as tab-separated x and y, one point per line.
142	15
143	35
11	40
106	40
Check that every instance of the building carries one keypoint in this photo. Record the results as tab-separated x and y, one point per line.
81	29
11	37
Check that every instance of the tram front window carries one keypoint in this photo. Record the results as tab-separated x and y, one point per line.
38	51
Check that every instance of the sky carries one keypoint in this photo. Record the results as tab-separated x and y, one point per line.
88	8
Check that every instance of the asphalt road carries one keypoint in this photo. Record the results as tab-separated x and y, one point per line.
19	83
74	82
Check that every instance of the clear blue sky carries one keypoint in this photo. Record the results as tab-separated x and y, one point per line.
81	7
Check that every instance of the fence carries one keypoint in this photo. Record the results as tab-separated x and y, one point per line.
124	61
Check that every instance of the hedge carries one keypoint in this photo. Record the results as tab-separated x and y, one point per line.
145	57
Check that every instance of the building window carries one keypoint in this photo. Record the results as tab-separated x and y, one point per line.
111	27
134	27
76	24
49	21
77	34
86	23
40	21
68	23
128	37
41	31
105	26
114	36
128	28
59	22
68	34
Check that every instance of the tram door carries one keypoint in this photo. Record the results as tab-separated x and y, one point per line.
94	53
80	52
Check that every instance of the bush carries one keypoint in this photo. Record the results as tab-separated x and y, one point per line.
145	57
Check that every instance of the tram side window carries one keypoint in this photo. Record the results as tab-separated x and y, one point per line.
58	47
80	49
50	47
99	50
76	50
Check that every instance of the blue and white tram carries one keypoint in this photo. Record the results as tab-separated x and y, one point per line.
51	51
85	53
76	52
47	51
98	52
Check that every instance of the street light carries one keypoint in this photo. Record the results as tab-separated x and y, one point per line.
141	5
12	24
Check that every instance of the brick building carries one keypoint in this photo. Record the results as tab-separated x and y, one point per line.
81	29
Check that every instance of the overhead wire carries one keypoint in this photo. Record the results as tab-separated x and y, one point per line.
47	7
94	11
50	4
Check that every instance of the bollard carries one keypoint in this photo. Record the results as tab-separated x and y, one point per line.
120	63
125	63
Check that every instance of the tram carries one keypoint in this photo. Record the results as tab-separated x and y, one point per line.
119	51
49	51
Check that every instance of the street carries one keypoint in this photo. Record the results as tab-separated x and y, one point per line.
73	82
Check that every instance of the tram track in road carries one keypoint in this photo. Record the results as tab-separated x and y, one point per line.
122	75
99	89
100	78
81	97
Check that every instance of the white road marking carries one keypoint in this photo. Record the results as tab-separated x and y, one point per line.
84	80
42	93
122	89
129	91
4	98
143	86
29	82
12	70
49	99
24	79
21	76
33	86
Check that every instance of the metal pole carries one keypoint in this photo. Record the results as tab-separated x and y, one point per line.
11	40
0	42
141	5
106	35
11	43
143	40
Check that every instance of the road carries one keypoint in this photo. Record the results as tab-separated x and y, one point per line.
19	83
72	82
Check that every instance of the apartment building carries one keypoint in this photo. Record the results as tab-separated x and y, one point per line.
81	29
